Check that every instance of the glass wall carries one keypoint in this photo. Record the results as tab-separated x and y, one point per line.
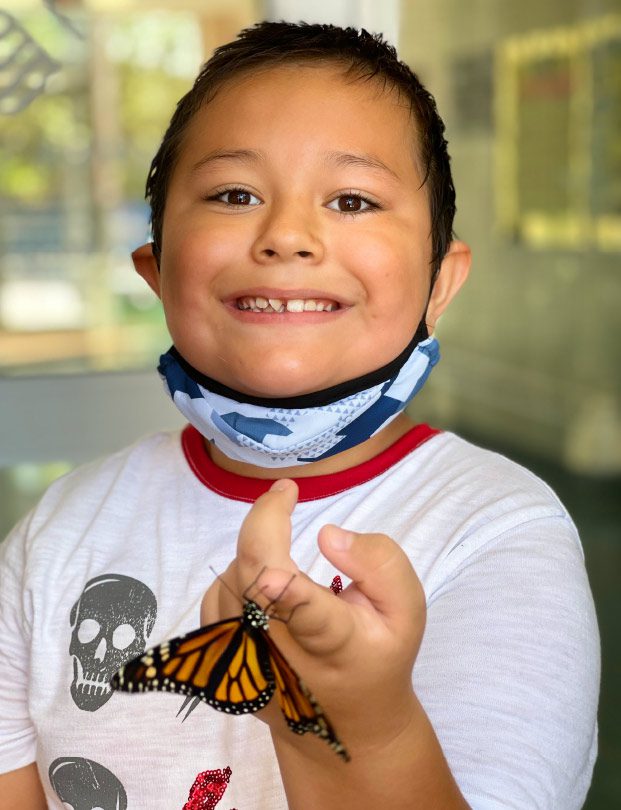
531	96
86	91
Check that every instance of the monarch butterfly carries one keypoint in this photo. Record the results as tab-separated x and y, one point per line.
233	665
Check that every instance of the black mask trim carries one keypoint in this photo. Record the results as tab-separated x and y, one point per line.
315	399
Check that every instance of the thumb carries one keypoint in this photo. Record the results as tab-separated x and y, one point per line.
379	568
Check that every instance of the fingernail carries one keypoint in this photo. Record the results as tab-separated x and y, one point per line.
340	539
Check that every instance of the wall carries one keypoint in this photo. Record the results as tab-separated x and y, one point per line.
533	344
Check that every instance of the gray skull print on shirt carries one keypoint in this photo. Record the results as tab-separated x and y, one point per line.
110	623
86	785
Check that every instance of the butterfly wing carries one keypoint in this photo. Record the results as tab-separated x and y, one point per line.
234	666
300	708
222	664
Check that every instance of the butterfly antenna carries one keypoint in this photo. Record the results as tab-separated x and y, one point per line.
224	582
252	584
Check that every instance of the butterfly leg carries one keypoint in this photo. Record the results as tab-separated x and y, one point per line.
246	594
271	608
274	615
278	596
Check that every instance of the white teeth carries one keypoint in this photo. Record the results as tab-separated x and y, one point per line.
267	305
295	305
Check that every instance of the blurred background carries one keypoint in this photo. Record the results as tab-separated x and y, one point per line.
531	96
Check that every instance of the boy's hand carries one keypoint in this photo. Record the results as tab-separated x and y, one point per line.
355	651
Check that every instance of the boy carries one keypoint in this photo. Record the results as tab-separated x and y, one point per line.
302	248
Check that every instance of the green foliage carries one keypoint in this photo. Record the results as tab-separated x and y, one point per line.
152	58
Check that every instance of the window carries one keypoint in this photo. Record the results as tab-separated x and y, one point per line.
85	97
559	115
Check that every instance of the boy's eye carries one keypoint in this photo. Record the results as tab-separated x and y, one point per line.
351	204
237	197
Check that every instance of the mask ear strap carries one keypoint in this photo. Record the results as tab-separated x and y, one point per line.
423	326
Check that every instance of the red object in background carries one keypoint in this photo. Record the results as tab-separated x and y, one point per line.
336	585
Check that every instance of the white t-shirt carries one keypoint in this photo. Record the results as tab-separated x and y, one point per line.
116	557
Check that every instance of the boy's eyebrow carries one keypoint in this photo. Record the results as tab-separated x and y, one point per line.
243	155
340	159
363	160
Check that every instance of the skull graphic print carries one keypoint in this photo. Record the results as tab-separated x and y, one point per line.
111	622
83	784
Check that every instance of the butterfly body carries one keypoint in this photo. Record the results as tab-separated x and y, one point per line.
233	666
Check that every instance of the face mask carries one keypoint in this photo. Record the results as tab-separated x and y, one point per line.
298	430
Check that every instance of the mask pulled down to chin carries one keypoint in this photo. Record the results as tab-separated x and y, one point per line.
298	430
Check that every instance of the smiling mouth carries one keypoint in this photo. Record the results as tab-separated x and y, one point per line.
278	305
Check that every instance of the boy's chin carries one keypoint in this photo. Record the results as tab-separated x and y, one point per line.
280	391
280	383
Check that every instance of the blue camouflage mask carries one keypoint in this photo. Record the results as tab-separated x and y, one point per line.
298	430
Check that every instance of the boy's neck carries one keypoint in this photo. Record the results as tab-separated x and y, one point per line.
341	461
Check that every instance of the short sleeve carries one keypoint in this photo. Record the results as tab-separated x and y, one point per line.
17	734
509	669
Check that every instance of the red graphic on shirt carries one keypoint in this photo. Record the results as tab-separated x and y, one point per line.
336	585
208	789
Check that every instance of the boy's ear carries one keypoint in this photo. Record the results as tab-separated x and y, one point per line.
453	273
145	265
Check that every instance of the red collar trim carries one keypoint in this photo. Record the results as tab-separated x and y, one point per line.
245	488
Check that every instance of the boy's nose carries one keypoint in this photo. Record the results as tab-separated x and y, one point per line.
286	238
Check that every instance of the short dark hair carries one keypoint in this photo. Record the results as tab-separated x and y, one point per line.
365	56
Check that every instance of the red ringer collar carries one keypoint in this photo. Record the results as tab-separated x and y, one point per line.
244	488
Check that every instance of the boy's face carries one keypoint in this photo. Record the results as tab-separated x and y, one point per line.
294	183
